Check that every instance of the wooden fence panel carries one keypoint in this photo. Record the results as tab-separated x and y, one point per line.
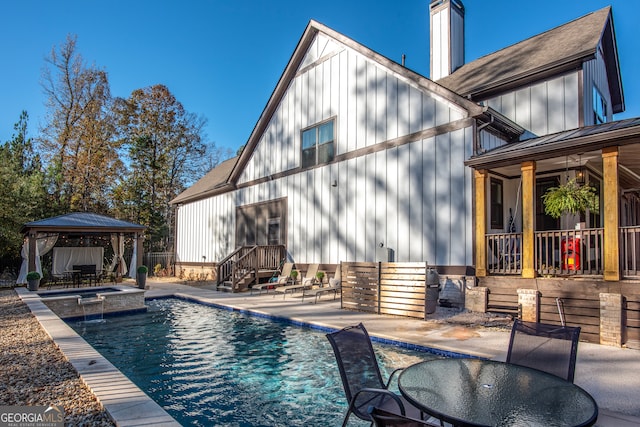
581	300
503	297
360	286
384	288
631	291
402	289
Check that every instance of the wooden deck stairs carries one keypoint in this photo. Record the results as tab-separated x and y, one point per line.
249	265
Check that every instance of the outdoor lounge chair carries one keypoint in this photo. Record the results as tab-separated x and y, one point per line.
361	377
549	348
334	286
382	418
283	278
307	281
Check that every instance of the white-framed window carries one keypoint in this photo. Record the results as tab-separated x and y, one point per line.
318	144
599	107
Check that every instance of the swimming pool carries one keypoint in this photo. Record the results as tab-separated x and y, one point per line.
206	366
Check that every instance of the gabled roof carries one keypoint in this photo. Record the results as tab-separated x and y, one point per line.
215	180
83	221
224	176
313	28
555	51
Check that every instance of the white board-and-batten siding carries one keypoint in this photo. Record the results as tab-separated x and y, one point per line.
414	198
545	107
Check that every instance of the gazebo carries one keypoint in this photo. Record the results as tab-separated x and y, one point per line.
41	237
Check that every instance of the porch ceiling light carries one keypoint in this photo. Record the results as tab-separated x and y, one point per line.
580	172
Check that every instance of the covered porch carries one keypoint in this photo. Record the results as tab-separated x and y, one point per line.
514	236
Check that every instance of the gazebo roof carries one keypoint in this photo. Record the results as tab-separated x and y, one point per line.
82	222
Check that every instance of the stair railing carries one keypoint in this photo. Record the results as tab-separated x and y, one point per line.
245	267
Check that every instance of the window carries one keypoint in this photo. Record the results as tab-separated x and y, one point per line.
317	144
497	210
273	231
599	107
543	221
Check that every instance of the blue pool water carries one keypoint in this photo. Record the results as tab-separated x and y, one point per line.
212	367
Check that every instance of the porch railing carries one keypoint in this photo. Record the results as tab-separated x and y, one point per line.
569	252
557	252
503	253
630	251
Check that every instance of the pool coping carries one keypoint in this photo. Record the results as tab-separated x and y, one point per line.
125	403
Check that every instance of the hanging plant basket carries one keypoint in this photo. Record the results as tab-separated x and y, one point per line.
570	198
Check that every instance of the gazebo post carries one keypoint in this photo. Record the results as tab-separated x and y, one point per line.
140	253
32	251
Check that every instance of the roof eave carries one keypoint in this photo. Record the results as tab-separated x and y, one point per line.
217	190
499	158
496	87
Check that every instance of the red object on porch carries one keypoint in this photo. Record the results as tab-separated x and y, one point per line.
570	248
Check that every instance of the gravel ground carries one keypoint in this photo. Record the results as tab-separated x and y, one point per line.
35	372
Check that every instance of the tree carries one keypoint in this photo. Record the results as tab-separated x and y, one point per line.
77	141
22	190
165	153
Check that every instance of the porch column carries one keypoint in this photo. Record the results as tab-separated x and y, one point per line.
611	200
480	222
527	251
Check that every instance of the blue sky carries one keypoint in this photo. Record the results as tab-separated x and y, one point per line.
222	59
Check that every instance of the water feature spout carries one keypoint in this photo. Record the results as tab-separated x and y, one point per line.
92	308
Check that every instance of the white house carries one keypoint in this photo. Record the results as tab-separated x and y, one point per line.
354	152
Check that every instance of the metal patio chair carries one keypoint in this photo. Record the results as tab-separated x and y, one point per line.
549	348
382	418
361	377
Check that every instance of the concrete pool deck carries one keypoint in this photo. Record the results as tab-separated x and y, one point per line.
609	374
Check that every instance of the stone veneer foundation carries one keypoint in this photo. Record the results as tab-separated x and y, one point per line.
110	300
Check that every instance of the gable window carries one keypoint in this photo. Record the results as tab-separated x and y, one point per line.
599	107
317	144
497	212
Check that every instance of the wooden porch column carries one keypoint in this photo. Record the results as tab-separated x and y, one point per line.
480	222
527	252
611	200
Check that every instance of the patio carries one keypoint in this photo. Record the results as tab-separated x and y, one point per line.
615	393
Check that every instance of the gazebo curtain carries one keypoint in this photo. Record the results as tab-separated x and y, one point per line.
44	244
133	268
117	243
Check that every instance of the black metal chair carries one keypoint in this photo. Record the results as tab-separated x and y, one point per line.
549	348
361	377
382	418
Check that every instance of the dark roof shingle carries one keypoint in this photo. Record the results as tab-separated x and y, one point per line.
561	46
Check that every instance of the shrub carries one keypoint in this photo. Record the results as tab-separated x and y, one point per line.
33	275
143	269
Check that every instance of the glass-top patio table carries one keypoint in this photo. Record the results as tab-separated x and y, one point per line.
474	392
